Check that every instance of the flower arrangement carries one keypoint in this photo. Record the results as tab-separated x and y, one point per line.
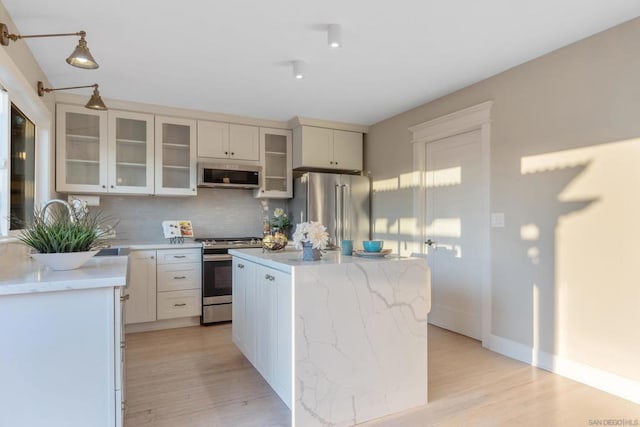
280	219
311	232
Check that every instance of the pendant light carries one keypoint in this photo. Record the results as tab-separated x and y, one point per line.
80	57
95	102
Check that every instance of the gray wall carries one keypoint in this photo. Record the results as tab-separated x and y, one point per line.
213	213
564	161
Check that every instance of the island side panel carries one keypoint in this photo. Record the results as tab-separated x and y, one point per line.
360	345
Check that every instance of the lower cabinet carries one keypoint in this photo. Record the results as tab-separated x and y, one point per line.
262	322
163	284
141	287
61	358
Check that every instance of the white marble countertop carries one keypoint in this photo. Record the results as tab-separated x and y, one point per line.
160	244
289	258
23	275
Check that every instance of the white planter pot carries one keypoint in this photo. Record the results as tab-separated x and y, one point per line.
64	261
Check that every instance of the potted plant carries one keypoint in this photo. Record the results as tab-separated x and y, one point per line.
64	239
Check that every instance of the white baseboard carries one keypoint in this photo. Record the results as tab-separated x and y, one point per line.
602	380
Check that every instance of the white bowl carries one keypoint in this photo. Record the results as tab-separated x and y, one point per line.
64	261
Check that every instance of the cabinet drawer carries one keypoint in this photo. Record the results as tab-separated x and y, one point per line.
178	277
179	256
179	304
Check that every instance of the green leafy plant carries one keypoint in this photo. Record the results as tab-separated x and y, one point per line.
57	232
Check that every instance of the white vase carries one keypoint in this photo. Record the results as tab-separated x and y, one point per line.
64	260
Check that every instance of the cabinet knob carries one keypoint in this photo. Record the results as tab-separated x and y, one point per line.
240	265
335	163
113	186
330	163
233	154
193	189
269	277
226	152
151	257
125	297
104	186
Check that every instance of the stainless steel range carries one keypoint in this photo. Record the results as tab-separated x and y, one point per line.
217	286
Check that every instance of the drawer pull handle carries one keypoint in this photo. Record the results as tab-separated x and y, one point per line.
179	277
240	265
179	256
269	277
182	304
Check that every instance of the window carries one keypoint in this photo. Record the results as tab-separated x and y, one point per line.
22	169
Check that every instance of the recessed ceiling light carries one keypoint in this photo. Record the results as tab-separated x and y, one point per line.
298	69
334	36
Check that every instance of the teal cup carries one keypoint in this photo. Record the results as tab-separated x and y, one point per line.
347	247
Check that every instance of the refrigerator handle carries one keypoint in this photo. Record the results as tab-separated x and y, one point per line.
338	197
346	196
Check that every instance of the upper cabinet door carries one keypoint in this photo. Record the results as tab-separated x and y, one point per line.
313	147
347	150
213	139
131	153
275	147
81	149
244	142
175	157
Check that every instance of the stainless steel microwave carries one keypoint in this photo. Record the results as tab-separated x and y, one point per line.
228	175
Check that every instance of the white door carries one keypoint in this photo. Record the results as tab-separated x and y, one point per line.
456	227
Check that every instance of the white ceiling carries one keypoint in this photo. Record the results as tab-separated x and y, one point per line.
235	56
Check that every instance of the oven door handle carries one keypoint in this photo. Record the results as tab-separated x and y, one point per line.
223	257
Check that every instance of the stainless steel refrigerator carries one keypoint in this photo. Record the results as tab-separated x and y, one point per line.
340	202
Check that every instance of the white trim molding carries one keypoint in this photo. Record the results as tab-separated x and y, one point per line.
477	117
602	380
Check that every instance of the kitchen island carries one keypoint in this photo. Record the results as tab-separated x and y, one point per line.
342	340
61	335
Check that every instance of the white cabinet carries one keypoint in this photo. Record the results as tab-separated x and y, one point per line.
243	272
60	358
262	322
131	150
175	158
226	141
276	148
81	149
244	142
141	287
179	280
322	148
163	284
104	151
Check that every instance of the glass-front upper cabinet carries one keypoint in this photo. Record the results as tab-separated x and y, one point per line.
81	149
175	169
276	164
131	148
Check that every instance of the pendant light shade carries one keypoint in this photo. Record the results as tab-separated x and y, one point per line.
95	102
81	57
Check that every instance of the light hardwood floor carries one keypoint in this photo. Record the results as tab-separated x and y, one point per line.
195	376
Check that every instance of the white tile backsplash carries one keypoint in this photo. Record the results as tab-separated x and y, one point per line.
213	212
